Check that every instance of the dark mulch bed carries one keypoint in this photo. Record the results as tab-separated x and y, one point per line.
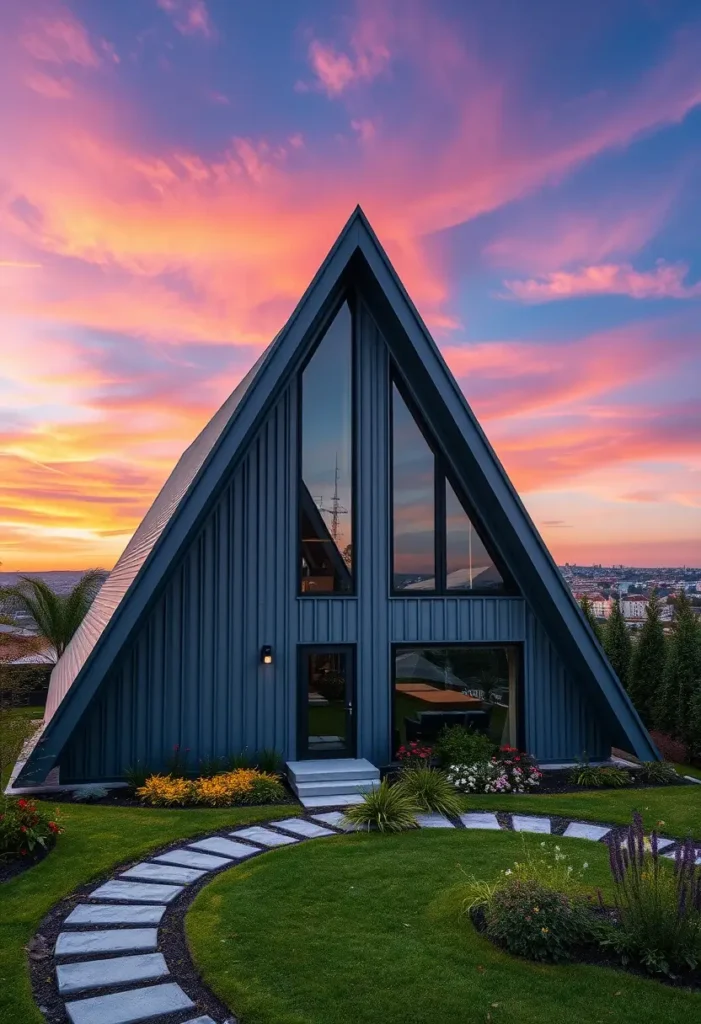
125	797
556	780
595	956
18	865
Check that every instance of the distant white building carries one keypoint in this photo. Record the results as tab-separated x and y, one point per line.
633	607
666	613
601	606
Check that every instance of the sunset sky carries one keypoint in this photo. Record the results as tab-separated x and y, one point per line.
172	172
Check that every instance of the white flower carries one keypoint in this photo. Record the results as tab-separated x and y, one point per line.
585	865
508	871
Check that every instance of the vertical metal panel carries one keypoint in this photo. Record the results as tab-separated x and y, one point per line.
560	722
327	620
457	619
193	675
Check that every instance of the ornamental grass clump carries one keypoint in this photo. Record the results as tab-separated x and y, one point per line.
429	790
659	772
658	904
387	808
599	776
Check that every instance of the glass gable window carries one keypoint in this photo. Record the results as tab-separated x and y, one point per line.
413	479
468	565
325	513
473	686
436	546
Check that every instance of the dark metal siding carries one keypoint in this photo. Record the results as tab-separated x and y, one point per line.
192	675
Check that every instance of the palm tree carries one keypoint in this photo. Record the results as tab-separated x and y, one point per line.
55	617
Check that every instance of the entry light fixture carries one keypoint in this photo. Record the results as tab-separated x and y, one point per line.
266	655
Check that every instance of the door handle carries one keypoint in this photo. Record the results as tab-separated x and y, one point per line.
350	708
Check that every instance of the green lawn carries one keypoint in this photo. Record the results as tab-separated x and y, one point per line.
366	928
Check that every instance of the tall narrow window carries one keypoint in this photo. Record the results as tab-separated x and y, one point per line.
414	528
326	500
468	565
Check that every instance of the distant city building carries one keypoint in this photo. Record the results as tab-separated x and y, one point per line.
633	607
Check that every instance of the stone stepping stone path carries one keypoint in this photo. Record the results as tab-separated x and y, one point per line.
111	938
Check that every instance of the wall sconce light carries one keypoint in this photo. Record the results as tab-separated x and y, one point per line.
266	655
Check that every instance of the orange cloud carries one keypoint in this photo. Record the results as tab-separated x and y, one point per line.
666	281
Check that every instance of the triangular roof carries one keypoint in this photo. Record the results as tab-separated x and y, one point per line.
200	473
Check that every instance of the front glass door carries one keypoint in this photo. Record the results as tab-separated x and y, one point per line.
326	703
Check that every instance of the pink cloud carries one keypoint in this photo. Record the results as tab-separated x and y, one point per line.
190	17
666	281
60	40
336	70
365	127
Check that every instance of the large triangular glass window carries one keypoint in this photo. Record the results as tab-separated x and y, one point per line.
436	546
326	483
469	566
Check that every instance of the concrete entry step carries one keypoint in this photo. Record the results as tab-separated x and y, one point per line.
331	769
339	787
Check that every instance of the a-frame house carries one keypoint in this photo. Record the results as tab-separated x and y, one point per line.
337	564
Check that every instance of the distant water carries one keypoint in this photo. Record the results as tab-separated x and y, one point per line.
59	580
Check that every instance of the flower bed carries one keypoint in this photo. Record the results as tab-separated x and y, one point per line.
508	772
226	789
27	832
541	909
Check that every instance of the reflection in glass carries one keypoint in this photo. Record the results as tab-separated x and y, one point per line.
468	566
475	687
328	697
413	469
327	462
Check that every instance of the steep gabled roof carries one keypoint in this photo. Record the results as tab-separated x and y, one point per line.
199	475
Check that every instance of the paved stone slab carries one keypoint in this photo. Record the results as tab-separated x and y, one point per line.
581	830
335	819
480	819
114	971
163	873
201	1020
129	1007
304	828
217	844
190	859
662	844
136	892
264	836
433	820
106	913
109	940
522	824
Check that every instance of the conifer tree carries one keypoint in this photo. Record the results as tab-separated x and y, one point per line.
617	643
694	742
585	605
682	675
648	661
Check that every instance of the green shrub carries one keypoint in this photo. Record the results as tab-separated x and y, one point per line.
598	776
136	774
211	766
24	826
532	920
265	789
269	760
429	790
235	762
658	904
657	771
458	745
386	807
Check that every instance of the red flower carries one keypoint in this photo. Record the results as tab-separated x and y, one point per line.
23	828
53	826
23	853
21	804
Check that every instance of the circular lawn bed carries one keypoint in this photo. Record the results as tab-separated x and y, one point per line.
367	928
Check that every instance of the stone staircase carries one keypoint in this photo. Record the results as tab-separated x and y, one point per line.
332	782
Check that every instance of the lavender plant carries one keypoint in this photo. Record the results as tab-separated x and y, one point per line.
658	904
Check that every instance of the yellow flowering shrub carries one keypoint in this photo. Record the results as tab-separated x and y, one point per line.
242	786
165	791
224	789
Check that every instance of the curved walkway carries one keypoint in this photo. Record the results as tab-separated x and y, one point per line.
108	944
